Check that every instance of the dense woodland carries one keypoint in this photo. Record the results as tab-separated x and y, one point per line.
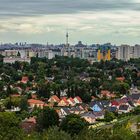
75	76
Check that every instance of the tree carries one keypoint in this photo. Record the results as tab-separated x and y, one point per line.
24	104
9	127
109	116
44	90
121	87
137	110
55	134
73	124
47	118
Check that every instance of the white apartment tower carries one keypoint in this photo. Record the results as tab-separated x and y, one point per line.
123	52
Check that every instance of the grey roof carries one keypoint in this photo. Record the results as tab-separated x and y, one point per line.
99	114
105	102
135	96
92	103
66	109
123	107
131	103
111	109
88	114
77	108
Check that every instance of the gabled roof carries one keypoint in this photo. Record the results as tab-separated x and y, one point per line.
70	99
105	103
92	103
65	100
115	103
67	110
55	98
131	103
78	98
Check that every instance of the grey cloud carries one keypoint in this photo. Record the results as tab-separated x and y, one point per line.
46	7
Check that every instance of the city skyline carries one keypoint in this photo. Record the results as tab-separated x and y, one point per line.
45	21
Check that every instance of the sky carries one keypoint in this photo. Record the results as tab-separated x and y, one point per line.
91	21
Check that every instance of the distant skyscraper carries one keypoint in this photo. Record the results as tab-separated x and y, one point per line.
136	51
125	52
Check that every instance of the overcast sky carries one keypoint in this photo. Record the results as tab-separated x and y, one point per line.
92	21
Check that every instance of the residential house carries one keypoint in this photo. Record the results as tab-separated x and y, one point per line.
29	125
89	117
77	110
136	99
64	112
54	99
115	103
99	114
96	106
63	102
38	103
124	109
78	100
107	94
71	101
105	103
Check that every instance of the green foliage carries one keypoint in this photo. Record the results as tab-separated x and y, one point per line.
137	110
47	118
55	134
121	87
24	104
73	124
9	127
109	116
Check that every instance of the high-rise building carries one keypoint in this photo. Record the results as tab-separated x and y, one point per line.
125	52
136	51
104	53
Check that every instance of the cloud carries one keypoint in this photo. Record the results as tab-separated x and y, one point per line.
97	19
47	7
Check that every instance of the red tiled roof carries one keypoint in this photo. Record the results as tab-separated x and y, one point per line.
65	100
33	101
71	100
115	103
55	98
78	98
120	79
25	79
107	93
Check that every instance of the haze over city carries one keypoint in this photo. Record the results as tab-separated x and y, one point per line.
93	21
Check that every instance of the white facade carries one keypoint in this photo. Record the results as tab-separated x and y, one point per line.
126	52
